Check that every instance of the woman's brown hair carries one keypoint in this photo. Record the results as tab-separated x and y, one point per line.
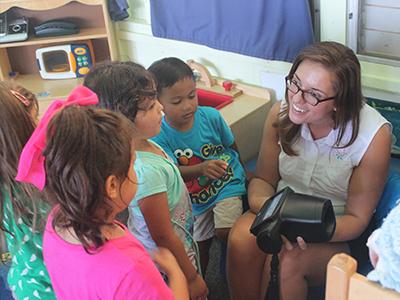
84	147
344	65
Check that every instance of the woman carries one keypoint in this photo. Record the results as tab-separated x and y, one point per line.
323	141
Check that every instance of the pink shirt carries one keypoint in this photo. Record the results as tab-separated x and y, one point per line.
122	269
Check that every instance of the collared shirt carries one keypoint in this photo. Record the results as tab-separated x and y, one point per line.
322	170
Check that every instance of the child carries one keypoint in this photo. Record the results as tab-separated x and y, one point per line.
160	214
90	178
22	213
384	246
202	145
27	98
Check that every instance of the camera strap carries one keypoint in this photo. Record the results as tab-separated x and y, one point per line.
273	291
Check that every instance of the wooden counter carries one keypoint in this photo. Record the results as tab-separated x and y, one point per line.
245	115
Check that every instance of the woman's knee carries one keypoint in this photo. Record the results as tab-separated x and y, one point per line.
239	233
241	243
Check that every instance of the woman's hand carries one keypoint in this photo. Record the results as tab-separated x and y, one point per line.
289	246
198	289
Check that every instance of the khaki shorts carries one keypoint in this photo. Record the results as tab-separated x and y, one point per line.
223	215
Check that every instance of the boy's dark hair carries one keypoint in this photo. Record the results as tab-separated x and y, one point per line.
120	86
168	71
16	126
84	147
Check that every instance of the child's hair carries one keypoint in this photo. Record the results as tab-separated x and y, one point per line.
85	146
121	86
169	71
26	97
16	126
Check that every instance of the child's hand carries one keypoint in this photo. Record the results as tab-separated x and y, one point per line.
198	289
166	260
213	169
372	248
176	279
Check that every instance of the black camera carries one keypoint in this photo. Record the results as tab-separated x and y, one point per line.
293	214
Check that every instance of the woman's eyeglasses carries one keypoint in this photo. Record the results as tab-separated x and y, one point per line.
309	96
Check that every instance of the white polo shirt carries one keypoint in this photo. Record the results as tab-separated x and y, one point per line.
323	171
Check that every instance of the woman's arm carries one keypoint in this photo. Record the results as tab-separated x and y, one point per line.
263	184
156	214
249	175
366	185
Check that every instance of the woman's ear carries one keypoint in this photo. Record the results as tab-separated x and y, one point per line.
112	187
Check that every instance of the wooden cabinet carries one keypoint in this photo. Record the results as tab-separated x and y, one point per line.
19	57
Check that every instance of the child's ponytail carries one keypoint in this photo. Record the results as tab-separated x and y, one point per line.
84	147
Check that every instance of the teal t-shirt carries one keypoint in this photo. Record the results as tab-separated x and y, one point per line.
27	277
158	174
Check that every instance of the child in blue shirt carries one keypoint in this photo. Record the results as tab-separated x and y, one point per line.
203	146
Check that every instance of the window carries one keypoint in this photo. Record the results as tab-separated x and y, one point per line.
316	18
374	30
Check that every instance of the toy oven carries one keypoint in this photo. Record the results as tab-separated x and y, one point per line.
65	61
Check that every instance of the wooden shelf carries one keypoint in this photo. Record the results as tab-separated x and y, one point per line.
44	4
19	57
84	34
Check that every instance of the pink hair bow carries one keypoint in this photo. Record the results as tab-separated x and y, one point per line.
31	163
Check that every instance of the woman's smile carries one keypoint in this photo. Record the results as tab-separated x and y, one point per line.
298	109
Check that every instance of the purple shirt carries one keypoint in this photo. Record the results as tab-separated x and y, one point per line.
121	269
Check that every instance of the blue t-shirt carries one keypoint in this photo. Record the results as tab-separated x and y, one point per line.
209	138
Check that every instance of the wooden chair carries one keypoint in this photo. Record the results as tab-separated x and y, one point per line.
344	283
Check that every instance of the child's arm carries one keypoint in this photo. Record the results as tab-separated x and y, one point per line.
372	247
176	279
212	169
156	214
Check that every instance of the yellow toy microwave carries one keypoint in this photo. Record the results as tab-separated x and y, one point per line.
65	61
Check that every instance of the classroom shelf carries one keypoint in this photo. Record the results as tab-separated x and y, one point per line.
18	59
84	34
